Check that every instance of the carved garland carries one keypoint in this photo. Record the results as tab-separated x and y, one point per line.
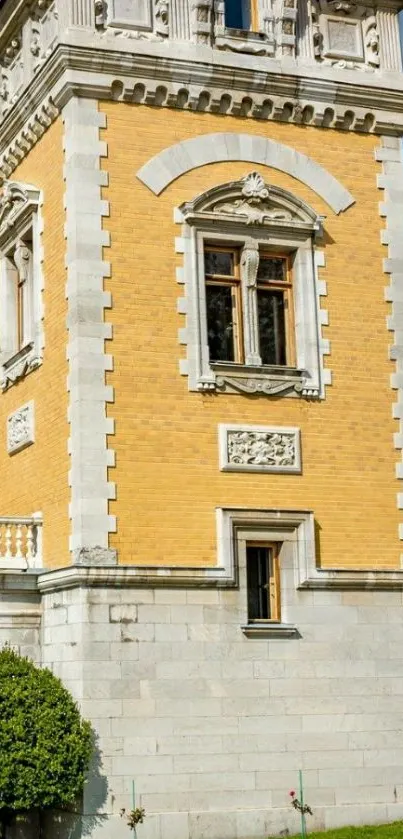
259	449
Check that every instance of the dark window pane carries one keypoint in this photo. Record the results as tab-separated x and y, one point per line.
258	580
237	14
220	329
271	269
219	262
271	327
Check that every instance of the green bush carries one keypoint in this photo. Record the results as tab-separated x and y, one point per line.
45	746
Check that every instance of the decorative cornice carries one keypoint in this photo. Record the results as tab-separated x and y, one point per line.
284	91
135	577
27	137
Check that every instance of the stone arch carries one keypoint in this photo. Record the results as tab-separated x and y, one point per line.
180	158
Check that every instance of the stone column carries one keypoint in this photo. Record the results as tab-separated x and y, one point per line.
180	20
76	13
388	28
249	269
304	45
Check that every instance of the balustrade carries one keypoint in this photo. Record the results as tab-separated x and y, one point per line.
20	542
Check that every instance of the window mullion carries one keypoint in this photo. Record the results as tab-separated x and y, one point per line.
249	269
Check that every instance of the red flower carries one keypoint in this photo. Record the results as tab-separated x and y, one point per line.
292	793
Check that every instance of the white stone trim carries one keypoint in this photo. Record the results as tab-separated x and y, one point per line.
295	234
90	456
297	528
248	431
21	428
20	213
323	320
391	209
176	160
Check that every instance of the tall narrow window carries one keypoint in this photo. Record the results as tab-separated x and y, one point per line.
273	300
241	14
262	568
223	300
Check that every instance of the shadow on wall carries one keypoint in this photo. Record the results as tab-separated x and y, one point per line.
90	813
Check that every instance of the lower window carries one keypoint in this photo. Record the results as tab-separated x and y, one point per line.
263	582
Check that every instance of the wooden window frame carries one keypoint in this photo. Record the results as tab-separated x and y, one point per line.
234	283
287	288
274	593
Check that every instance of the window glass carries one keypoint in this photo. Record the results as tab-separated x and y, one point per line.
237	14
271	327
272	269
262	578
219	262
220	326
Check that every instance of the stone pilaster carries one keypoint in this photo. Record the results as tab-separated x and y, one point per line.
89	395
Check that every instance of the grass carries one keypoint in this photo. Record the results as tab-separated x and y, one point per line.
377	831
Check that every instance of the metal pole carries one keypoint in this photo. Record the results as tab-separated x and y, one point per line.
301	798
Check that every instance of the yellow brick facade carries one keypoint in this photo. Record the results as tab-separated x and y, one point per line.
36	478
167	474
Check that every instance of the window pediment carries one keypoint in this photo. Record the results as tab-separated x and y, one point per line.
251	201
17	201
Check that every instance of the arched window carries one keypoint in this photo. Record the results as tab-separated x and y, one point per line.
251	298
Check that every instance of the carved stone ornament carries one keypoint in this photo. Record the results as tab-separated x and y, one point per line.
251	201
162	17
259	449
22	363
21	428
345	34
16	200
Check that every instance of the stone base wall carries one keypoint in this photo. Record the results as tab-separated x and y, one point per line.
20	614
212	726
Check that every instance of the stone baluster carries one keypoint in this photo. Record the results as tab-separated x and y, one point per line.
18	542
8	553
29	552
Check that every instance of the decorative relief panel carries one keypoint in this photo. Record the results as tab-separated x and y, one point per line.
345	34
134	14
21	428
259	448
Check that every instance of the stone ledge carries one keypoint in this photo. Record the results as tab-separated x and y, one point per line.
354	579
270	630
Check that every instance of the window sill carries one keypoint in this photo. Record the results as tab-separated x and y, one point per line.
270	630
242	40
230	377
16	366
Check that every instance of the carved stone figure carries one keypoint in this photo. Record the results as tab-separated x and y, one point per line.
100	13
22	259
162	17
